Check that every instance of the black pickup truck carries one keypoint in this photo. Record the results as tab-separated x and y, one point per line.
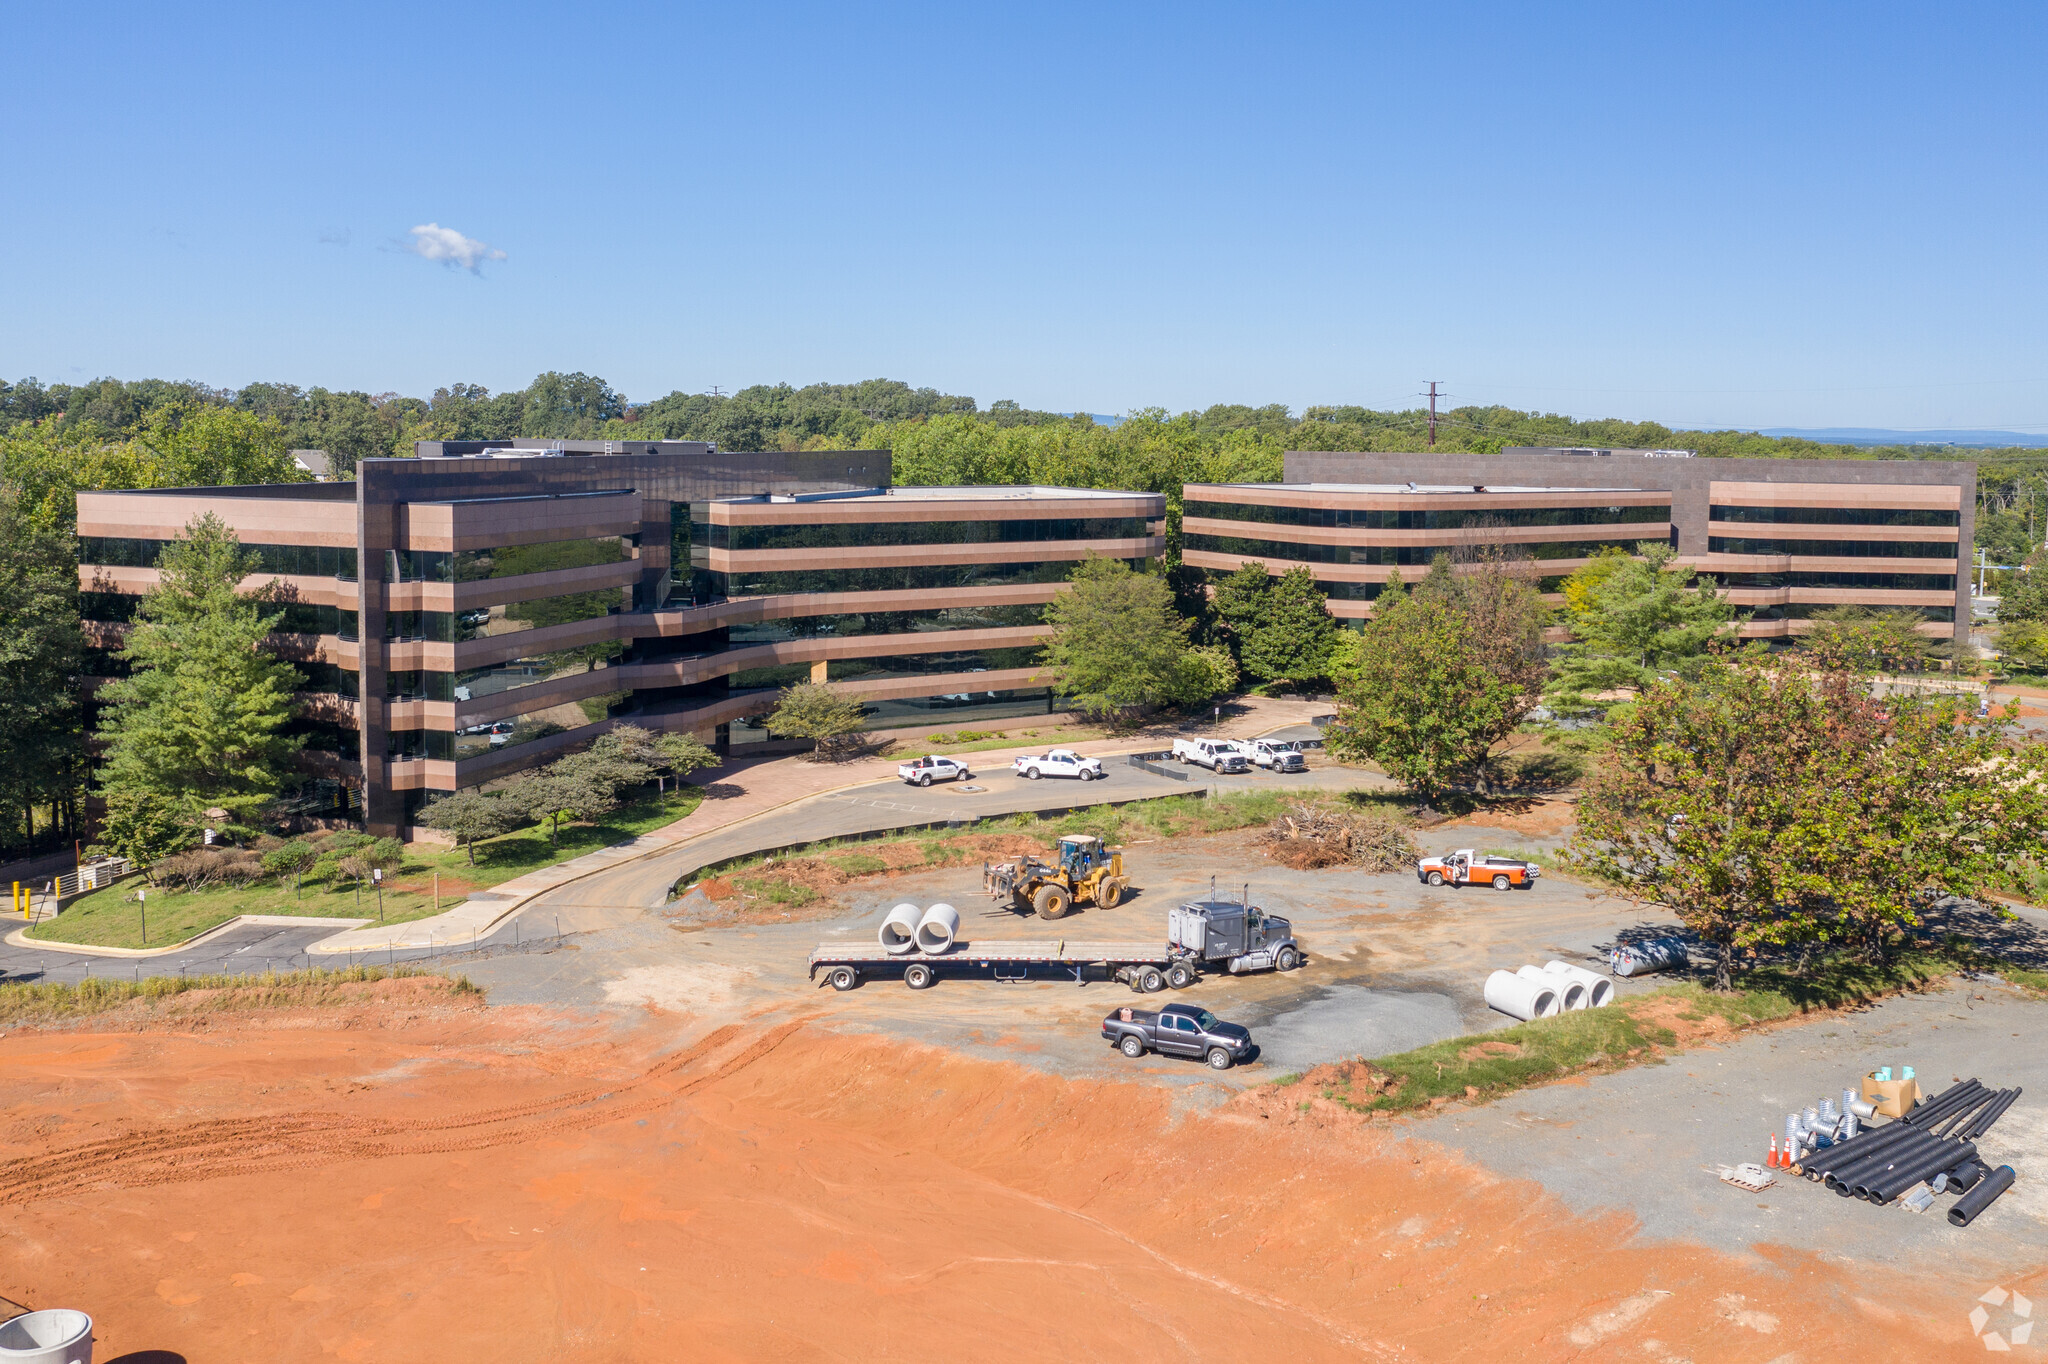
1179	1030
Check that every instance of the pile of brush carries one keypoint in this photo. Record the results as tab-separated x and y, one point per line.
1310	836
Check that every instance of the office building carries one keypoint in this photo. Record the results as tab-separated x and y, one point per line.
489	605
1784	538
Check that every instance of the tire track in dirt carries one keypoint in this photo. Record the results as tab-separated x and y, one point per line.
217	1149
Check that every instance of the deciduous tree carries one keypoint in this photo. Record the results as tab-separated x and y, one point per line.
1767	805
143	826
2025	599
1116	640
470	817
1420	698
1862	640
812	710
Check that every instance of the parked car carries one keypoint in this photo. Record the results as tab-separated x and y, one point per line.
925	771
1218	755
1467	868
1179	1030
1059	762
1279	754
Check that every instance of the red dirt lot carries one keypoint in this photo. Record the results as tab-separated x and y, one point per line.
441	1182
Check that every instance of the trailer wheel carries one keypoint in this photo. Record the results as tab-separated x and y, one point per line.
1131	1046
1152	982
1502	883
918	976
842	978
1436	878
1287	959
1052	902
1219	1059
1179	976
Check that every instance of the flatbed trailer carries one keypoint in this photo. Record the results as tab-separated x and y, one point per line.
1141	965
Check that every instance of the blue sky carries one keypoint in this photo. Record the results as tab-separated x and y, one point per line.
1763	215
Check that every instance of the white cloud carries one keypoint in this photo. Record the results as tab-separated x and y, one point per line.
446	245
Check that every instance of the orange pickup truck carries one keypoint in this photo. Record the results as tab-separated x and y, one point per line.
1467	868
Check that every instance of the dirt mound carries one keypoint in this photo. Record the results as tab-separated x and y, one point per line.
518	1186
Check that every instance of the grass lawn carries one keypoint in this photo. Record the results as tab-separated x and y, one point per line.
112	918
1050	735
786	882
31	1003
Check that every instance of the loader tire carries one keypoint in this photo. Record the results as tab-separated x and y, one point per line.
1110	893
1052	902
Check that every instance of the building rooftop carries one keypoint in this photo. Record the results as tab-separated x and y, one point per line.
1003	492
1420	488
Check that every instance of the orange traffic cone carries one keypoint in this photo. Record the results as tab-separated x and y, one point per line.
1771	1161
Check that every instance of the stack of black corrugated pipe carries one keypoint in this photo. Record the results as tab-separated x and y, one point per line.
1934	1143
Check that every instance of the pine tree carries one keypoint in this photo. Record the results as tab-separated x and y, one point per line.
1642	620
1239	605
41	653
201	718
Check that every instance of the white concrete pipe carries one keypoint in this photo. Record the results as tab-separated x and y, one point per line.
935	931
1519	997
899	930
1599	989
1548	982
52	1336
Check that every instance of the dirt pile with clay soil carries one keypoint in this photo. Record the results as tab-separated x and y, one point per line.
806	887
522	1186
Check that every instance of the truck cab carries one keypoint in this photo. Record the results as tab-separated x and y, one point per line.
1218	755
1280	755
1237	936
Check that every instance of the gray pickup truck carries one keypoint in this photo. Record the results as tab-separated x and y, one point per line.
1179	1030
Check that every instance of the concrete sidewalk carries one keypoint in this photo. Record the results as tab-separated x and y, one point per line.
742	792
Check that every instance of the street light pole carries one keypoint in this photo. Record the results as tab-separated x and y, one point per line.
377	875
142	907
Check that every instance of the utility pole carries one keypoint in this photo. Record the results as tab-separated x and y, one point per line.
1433	395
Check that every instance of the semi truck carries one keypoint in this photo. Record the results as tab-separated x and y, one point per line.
1201	937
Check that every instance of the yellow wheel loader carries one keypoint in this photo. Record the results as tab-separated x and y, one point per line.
1086	872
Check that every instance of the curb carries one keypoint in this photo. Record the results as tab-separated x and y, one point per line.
19	937
514	907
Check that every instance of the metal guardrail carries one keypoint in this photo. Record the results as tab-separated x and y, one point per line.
93	876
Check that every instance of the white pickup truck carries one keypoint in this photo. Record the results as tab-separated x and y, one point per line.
924	771
1278	754
1218	755
1059	762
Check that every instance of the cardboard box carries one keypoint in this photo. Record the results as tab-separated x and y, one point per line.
1893	1098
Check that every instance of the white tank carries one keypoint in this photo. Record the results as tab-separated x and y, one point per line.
1519	997
937	928
1599	990
55	1336
898	932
